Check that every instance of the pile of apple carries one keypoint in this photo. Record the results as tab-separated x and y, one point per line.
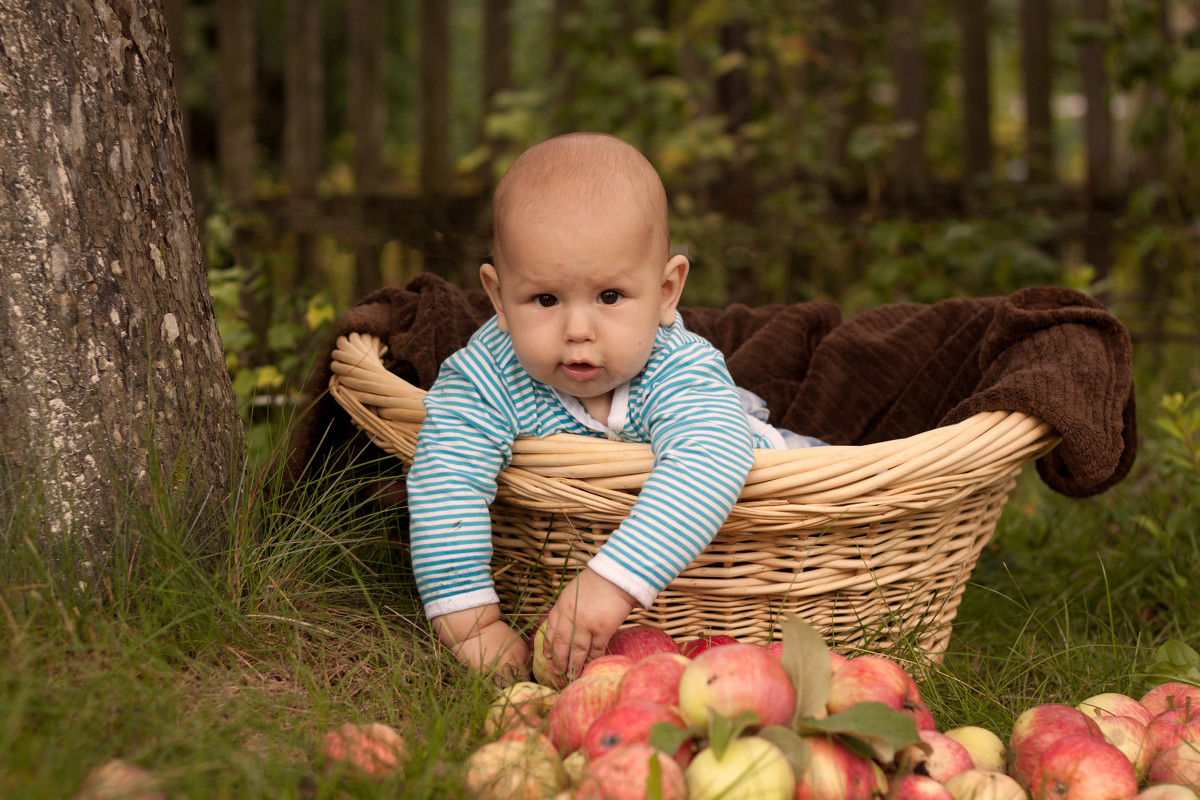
716	718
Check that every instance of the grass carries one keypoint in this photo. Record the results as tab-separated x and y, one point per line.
221	677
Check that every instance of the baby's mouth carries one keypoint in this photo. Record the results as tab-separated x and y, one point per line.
580	371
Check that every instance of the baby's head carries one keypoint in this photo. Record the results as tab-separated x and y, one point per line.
590	176
582	274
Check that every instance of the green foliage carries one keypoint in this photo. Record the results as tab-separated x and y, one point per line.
268	332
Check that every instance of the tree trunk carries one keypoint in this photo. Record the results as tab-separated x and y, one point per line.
1036	70
112	375
368	121
910	172
975	69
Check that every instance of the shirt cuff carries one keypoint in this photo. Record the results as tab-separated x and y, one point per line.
610	570
460	602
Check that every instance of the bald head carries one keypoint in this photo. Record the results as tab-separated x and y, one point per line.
593	174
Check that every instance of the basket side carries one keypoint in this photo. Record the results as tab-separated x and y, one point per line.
871	544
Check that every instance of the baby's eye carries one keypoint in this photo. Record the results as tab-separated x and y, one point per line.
609	296
544	300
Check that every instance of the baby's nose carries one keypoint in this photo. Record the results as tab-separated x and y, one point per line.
579	326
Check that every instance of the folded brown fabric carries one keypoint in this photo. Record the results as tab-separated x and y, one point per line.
890	372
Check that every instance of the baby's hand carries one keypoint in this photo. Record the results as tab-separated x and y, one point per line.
484	642
587	614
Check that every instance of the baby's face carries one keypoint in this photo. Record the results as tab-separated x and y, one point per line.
583	302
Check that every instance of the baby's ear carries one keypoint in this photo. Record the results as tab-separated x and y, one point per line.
491	285
674	276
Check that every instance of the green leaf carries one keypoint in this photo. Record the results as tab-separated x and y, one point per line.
806	659
722	730
668	737
791	744
882	730
1174	661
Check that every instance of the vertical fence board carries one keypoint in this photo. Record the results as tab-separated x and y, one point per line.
367	122
910	170
303	139
976	101
1037	71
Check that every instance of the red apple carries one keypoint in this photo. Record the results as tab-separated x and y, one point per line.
624	774
835	772
836	660
694	647
1171	727
775	649
945	759
577	707
638	641
1166	791
513	770
629	722
868	678
372	750
1036	728
1082	766
1167	696
1114	704
520	703
733	679
610	664
750	767
1129	736
654	678
918	787
984	784
1179	764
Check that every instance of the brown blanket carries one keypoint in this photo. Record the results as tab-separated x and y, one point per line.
890	372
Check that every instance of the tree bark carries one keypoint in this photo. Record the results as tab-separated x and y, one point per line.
1036	70
112	376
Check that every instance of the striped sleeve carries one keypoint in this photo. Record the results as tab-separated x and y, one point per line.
702	455
465	441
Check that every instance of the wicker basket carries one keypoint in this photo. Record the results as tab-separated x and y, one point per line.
871	544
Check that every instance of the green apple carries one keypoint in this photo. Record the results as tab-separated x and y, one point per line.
750	767
542	671
986	748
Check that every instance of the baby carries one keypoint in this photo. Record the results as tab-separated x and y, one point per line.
586	339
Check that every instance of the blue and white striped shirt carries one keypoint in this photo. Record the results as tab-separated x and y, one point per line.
683	403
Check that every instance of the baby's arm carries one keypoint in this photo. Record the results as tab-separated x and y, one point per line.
461	447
